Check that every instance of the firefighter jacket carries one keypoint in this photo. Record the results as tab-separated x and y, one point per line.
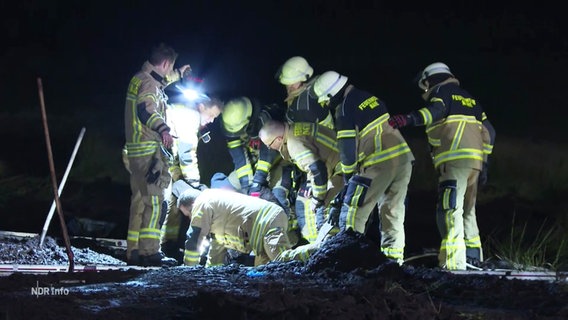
455	127
303	107
251	158
364	136
234	221
145	112
184	122
313	148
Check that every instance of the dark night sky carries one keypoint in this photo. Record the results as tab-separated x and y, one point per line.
513	58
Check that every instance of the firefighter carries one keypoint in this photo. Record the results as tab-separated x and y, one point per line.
313	148
376	161
258	168
236	221
147	140
186	121
296	76
461	139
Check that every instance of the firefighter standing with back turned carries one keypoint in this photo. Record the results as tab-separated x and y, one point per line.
461	138
374	155
147	134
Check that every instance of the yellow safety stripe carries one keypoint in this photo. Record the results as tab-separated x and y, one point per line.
346	134
452	119
348	168
487	148
466	153
141	149
449	246
263	165
329	142
327	122
458	135
245	171
380	156
232	241
154	119
311	232
303	155
259	227
374	125
394	253
426	116
319	190
473	242
132	235
234	144
156	212
352	212
149	233
190	257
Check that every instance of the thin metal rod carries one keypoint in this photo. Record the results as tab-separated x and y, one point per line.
61	186
54	179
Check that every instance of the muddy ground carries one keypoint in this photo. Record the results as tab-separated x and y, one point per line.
346	279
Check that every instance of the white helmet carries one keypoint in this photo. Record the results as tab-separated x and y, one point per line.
295	69
434	68
328	85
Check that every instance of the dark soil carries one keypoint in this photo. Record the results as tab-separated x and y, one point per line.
348	278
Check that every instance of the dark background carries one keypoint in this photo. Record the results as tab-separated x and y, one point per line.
511	56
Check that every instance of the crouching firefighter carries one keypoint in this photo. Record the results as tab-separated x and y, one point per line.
376	161
258	168
236	221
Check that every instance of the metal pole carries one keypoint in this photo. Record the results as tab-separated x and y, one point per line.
52	209
53	178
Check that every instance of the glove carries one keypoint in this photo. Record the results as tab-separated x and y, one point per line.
482	180
399	121
315	203
152	174
305	192
167	139
255	190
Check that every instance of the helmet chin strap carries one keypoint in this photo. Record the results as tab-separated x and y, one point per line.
336	100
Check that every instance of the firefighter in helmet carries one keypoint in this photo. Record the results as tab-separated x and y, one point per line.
189	116
297	77
376	161
461	139
258	168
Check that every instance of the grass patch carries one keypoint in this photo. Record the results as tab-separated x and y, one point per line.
528	250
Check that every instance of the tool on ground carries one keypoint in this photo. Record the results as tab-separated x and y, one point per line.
54	178
332	217
52	209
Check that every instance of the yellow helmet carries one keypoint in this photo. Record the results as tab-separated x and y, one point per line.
236	114
295	69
